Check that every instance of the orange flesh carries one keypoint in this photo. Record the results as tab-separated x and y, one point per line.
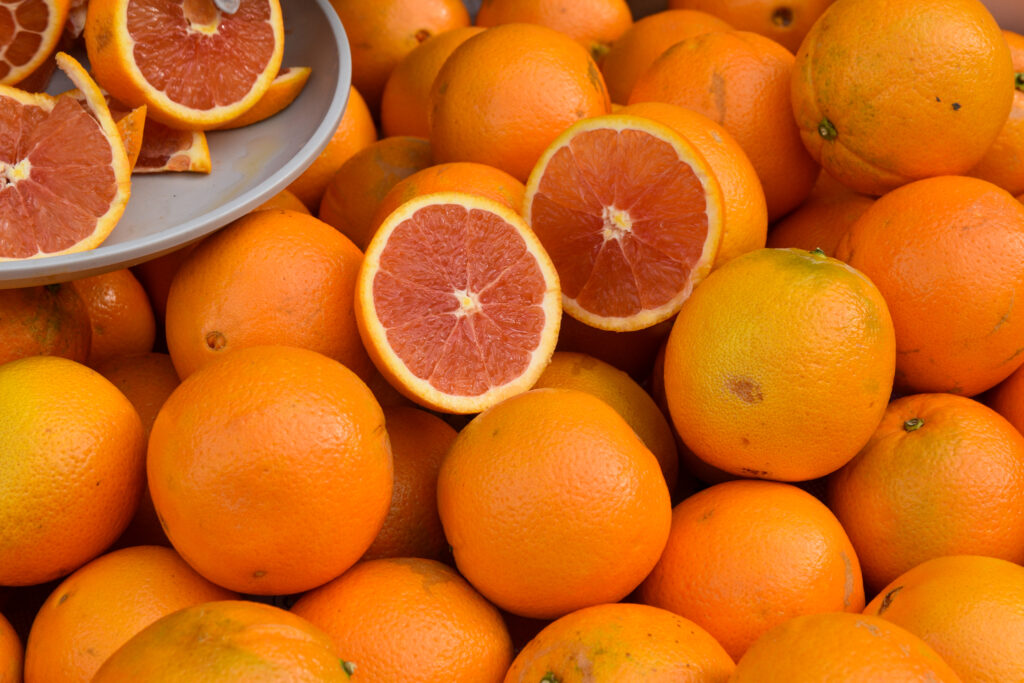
600	181
22	23
69	182
461	298
165	149
197	56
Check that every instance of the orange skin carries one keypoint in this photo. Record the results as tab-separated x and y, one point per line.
120	315
267	429
72	449
50	320
622	642
234	640
356	190
946	253
631	352
744	556
886	92
1007	399
156	274
382	32
410	619
841	647
642	43
97	609
405	103
942	475
739	80
11	653
419	442
307	303
285	199
784	22
968	608
503	96
540	495
1003	163
822	219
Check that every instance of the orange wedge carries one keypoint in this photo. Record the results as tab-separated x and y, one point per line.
29	31
457	302
168	149
283	90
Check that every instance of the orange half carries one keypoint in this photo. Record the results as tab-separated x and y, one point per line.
282	91
29	31
631	215
457	302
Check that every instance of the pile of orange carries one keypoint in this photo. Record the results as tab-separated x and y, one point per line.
593	346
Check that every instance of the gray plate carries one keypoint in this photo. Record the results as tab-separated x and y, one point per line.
250	164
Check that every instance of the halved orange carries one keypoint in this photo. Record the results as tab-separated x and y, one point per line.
283	90
192	65
29	31
457	302
632	217
64	173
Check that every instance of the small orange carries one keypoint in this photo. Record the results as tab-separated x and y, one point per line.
155	276
412	620
49	320
784	21
11	653
744	556
103	604
285	199
632	352
1003	163
822	219
119	313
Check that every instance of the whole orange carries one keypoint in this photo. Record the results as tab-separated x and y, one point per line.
263	441
632	352
889	91
945	253
1007	399
285	199
822	219
785	22
551	503
11	654
156	274
72	452
410	619
1003	163
103	604
744	556
119	313
504	95
49	320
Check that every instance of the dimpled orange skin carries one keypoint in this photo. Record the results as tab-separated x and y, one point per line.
263	430
11	655
945	253
552	503
50	320
888	92
969	608
784	21
120	314
822	219
504	95
1003	163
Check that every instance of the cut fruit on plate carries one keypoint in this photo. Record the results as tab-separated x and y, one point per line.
631	215
192	65
29	31
457	302
167	149
282	91
64	173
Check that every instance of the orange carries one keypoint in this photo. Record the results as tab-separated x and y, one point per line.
745	556
155	276
31	31
1003	163
280	277
226	640
412	528
193	66
64	174
622	642
71	449
119	313
631	352
283	90
356	190
970	609
11	653
166	149
746	212
504	95
457	302
642	43
1007	399
739	80
596	24
569	370
945	253
822	219
552	503
131	125
780	365
354	132
264	430
103	604
382	32
888	92
784	22
942	475
47	320
841	647
285	200
405	102
412	620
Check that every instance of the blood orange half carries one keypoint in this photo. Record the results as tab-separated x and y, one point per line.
631	215
29	31
457	302
192	65
64	173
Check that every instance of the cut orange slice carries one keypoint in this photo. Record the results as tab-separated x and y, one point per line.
167	149
631	215
64	173
193	66
29	31
457	302
283	90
